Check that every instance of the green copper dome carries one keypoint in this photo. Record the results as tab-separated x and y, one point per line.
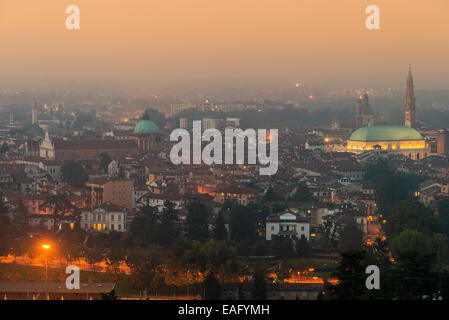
385	133
146	126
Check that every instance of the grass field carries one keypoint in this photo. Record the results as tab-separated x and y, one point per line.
16	272
323	267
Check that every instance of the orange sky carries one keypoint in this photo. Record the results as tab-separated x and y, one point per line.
267	42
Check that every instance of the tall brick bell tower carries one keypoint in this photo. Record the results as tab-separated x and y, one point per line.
409	110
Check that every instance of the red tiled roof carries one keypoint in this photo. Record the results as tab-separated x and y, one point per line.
94	144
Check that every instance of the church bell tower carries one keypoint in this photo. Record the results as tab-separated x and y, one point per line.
409	109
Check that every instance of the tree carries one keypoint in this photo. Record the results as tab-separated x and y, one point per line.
413	278
93	255
158	282
4	148
196	222
215	254
142	230
279	207
243	223
155	116
351	275
271	195
410	214
151	226
351	237
211	287
374	172
5	229
114	256
443	216
74	174
59	207
322	242
391	187
105	160
21	216
168	224
421	244
220	232
411	241
302	246
302	193
261	248
281	246
259	291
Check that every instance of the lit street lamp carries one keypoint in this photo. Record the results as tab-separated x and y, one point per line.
46	247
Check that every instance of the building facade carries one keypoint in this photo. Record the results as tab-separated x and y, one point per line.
79	150
287	225
116	191
107	217
394	139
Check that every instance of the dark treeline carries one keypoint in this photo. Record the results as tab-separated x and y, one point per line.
413	256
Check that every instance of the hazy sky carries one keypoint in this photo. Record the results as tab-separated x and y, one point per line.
224	42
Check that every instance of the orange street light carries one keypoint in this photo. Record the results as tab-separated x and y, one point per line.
46	247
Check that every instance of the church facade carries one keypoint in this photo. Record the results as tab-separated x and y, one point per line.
147	135
77	150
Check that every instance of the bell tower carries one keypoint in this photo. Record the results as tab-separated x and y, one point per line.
409	108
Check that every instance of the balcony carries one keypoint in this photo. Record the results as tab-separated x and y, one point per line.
287	232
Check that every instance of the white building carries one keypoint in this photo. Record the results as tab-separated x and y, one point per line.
287	224
158	200
107	217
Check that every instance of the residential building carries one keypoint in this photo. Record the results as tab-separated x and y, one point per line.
288	225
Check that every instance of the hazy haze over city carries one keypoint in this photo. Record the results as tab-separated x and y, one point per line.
178	43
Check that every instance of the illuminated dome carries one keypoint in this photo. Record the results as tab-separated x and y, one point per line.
385	133
146	126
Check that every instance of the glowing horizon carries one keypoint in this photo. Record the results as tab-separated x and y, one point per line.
267	42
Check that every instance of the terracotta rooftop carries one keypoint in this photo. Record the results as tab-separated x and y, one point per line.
95	144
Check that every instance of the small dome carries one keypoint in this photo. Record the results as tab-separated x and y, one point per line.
146	126
385	133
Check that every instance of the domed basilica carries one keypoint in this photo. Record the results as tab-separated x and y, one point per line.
405	140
